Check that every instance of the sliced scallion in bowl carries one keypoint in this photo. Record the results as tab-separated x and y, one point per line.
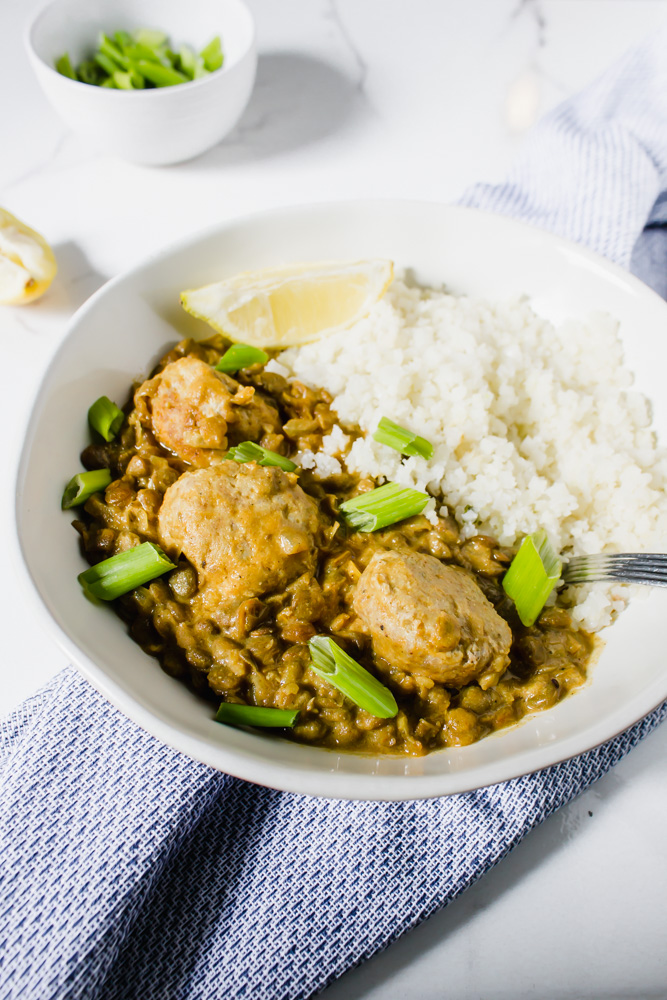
142	60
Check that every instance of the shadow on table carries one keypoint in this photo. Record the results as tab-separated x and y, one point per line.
298	100
375	976
75	282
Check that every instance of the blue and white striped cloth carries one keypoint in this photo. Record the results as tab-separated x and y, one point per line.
129	872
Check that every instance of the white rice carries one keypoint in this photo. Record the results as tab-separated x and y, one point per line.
532	426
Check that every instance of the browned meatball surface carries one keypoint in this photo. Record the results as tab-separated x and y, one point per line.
197	413
246	529
431	619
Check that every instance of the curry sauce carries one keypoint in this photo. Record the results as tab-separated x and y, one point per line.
264	563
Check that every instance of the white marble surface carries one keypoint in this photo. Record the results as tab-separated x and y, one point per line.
365	97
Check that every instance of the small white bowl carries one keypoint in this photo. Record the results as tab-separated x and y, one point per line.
158	126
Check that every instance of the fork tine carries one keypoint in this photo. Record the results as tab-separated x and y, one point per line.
632	580
639	559
637	564
622	567
618	571
582	561
635	560
661	556
656	578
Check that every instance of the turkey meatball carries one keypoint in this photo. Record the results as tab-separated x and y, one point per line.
247	530
197	413
431	619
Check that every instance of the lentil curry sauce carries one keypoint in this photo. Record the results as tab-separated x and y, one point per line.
264	564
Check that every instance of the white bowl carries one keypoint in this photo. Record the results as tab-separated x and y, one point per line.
124	329
159	126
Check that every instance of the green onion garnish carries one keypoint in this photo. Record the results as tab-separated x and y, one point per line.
383	506
123	572
256	715
333	664
161	76
64	66
83	485
111	51
142	60
150	38
187	61
212	54
533	574
123	81
122	38
140	51
106	64
241	356
89	72
248	451
402	440
105	418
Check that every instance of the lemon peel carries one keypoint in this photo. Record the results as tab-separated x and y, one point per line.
27	262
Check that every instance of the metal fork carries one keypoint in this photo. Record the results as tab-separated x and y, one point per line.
625	567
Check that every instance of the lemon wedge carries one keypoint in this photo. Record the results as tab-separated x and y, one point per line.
27	263
282	306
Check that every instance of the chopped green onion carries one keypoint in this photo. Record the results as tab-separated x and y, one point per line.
533	574
161	76
256	715
83	485
143	60
212	54
137	51
191	64
200	69
402	440
137	79
109	67
187	61
122	39
64	66
123	572
150	38
248	451
122	80
89	72
333	664
111	51
105	418
383	506
241	356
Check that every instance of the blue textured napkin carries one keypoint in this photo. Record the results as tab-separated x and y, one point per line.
129	871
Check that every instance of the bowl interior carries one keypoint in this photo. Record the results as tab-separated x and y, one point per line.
74	25
125	327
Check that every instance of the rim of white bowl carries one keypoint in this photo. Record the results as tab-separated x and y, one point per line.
262	770
149	94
